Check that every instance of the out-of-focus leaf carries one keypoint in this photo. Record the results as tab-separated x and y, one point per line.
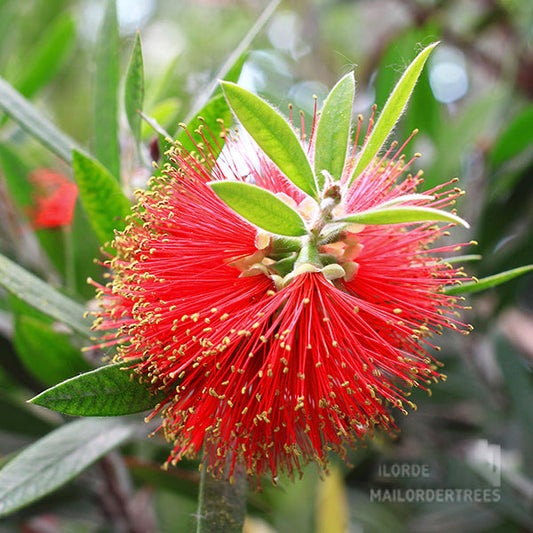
106	146
333	130
15	417
35	123
101	195
111	390
489	281
183	482
392	111
274	136
47	354
12	371
403	214
460	135
515	139
260	207
134	89
39	294
54	460
519	386
231	68
332	503
164	113
462	258
48	56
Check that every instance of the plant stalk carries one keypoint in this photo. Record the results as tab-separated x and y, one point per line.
68	250
221	504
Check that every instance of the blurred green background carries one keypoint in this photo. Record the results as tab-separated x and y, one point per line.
474	108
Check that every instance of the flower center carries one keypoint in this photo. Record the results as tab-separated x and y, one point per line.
283	258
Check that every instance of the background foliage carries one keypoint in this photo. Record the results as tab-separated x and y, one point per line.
474	107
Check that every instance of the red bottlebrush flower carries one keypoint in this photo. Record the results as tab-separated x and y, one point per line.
55	199
273	351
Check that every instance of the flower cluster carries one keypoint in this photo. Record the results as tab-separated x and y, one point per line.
273	350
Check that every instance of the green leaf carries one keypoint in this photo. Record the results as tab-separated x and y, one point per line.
401	215
111	390
216	109
333	130
407	198
274	136
101	196
462	258
106	146
260	207
134	89
46	353
35	123
85	247
48	55
424	109
54	460
515	139
488	282
42	296
392	111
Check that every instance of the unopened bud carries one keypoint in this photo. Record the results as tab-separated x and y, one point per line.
334	271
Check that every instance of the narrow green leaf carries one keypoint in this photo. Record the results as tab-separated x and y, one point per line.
42	296
401	215
106	146
462	258
333	130
234	72
515	139
48	55
46	353
107	391
407	198
101	196
488	282
35	123
134	89
54	460
260	207
274	136
392	111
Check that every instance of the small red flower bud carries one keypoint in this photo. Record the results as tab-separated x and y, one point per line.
55	199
